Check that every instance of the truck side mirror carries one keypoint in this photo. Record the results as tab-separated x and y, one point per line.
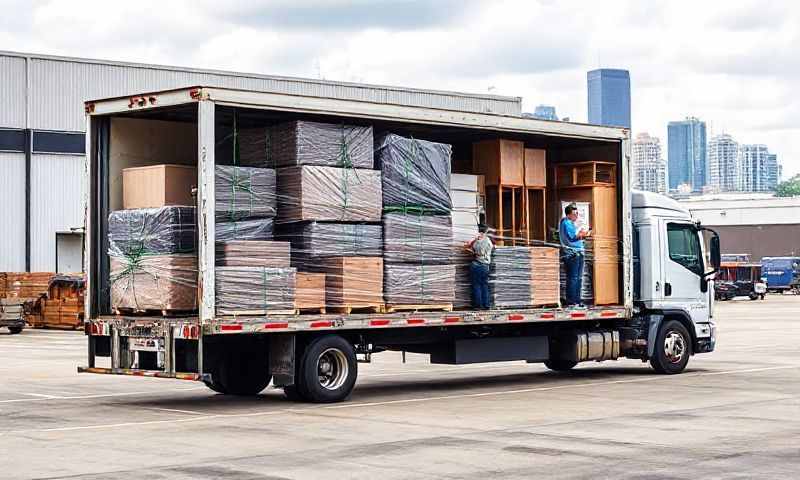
715	254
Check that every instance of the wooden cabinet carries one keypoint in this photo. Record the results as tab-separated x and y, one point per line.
535	168
501	162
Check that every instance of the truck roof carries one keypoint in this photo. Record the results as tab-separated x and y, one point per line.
641	199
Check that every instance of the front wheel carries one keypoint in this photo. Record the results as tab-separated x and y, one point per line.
673	348
15	330
753	296
328	370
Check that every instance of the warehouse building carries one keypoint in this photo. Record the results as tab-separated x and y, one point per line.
42	142
757	224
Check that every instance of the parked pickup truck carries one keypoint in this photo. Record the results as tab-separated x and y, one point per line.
658	295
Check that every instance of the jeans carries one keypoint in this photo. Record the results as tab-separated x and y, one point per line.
479	275
573	262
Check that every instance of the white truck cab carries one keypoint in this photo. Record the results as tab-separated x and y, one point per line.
673	268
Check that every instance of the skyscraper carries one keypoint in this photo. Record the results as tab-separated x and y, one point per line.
723	163
759	168
649	168
609	97
545	112
686	154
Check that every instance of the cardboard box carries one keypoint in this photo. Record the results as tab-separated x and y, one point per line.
157	186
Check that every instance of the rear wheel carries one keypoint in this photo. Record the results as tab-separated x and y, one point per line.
673	348
560	365
328	370
15	330
241	371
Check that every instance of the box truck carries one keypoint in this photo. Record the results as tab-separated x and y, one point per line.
650	285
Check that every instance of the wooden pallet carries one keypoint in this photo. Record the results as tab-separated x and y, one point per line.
302	310
256	312
356	308
445	307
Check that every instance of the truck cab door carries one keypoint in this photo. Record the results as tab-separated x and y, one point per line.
683	268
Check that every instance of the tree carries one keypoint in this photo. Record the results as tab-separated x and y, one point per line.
789	188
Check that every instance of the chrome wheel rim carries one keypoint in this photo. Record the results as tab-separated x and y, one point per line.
674	347
332	369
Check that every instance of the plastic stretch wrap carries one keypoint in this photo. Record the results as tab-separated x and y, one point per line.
328	194
254	147
510	281
416	173
243	290
463	286
313	240
244	192
253	253
419	239
311	143
154	282
152	231
153	259
253	229
406	284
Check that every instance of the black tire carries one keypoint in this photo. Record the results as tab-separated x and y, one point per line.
242	371
671	358
15	330
214	386
292	393
560	365
328	370
753	296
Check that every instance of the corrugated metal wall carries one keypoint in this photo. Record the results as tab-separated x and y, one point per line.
12	92
57	189
59	89
12	212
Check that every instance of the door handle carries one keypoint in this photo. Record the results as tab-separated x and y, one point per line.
667	289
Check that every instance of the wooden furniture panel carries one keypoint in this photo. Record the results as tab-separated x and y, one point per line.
535	169
500	161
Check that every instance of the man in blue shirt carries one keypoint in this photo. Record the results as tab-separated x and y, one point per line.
572	252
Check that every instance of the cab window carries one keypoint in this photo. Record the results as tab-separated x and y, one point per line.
684	247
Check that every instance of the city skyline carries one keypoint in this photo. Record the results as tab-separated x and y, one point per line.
687	158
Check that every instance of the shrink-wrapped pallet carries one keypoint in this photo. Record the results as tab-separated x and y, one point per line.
152	231
244	192
254	147
252	229
327	144
314	240
415	238
328	194
510	278
253	253
545	275
462	286
416	173
408	284
154	282
254	290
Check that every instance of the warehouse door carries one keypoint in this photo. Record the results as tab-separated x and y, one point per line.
69	252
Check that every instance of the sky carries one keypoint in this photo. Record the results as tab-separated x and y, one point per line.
734	64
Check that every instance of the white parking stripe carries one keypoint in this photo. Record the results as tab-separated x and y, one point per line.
654	378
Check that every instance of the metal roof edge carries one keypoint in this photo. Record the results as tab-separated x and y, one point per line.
59	58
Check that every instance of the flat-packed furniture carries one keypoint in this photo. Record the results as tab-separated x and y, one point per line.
154	282
545	276
255	290
410	287
313	143
310	292
253	253
353	283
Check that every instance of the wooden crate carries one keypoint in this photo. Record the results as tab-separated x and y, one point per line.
27	284
353	282
501	162
309	291
545	276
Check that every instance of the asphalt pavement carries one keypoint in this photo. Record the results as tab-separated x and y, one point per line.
734	413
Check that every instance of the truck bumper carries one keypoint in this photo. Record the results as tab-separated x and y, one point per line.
707	344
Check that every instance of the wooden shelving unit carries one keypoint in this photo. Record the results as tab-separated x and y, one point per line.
595	183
